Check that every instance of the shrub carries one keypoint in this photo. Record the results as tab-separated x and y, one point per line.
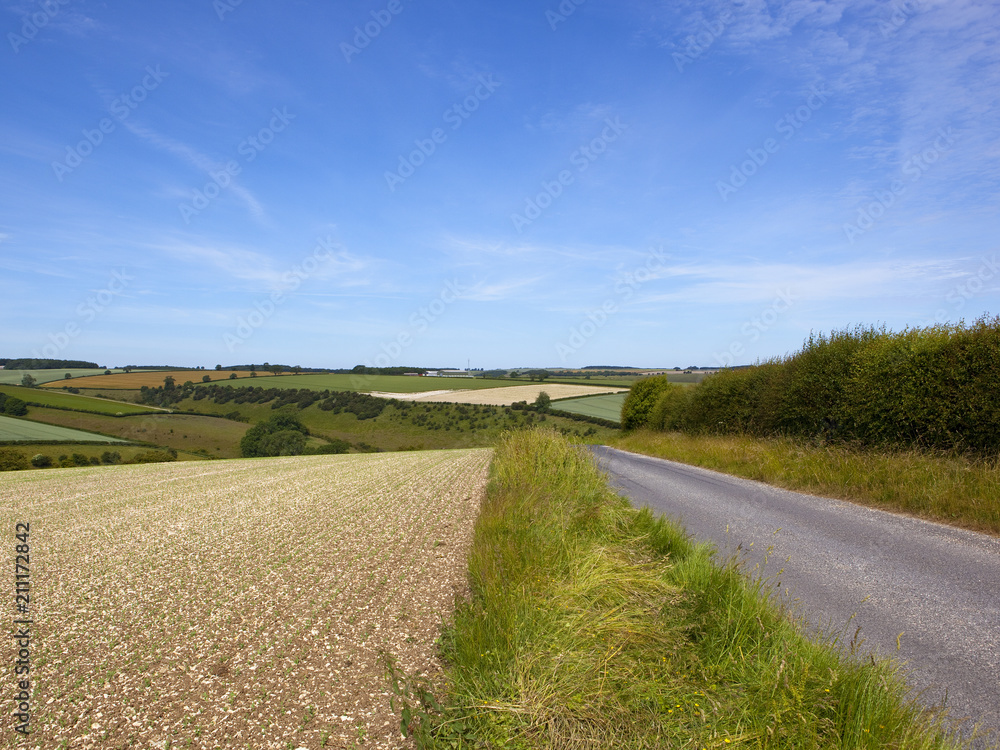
77	459
283	443
41	461
641	399
333	447
151	457
12	460
15	407
668	412
111	457
263	439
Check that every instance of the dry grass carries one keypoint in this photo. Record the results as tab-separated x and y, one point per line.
504	396
238	603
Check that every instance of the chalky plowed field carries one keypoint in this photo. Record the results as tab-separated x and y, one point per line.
237	603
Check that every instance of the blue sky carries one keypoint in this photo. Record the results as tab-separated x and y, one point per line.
622	182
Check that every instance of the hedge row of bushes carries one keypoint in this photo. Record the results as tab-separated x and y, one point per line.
15	460
360	404
934	387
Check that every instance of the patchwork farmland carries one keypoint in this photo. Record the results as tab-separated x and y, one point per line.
239	603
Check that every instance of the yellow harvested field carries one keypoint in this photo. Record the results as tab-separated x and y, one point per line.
152	378
503	396
236	603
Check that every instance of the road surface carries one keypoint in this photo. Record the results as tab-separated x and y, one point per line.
935	588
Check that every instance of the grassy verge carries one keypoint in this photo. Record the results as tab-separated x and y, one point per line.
595	625
953	489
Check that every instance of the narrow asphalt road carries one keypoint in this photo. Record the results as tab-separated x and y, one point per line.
934	588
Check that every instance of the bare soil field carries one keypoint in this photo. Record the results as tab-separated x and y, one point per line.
236	603
503	396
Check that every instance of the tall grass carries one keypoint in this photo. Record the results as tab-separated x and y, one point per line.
954	489
591	624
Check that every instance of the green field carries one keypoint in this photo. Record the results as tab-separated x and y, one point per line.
365	383
606	406
20	430
13	377
73	401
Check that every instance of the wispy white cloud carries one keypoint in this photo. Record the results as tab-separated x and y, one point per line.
67	18
734	284
506	290
198	160
265	273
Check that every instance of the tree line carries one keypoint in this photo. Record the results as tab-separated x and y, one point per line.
48	364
